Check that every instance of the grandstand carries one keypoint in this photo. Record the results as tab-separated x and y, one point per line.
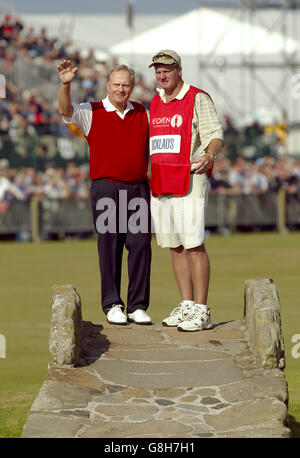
247	63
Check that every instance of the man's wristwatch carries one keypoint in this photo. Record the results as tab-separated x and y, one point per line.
212	156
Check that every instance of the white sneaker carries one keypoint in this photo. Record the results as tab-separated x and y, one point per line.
196	321
139	317
115	315
177	316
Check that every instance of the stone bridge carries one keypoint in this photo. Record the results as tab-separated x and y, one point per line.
107	381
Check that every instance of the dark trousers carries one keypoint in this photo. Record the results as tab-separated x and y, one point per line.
121	214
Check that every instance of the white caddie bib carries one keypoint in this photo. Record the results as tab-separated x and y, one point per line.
165	144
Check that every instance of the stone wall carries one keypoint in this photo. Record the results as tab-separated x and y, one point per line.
263	322
65	338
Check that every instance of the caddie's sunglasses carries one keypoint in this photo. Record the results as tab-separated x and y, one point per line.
163	57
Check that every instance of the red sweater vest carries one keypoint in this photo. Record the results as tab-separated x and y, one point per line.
118	147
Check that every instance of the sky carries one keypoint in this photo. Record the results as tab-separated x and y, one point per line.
104	6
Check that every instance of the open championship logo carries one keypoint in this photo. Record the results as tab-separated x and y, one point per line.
165	121
176	121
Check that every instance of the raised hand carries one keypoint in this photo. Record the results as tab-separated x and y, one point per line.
66	71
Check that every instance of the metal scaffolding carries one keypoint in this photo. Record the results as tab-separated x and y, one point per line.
252	73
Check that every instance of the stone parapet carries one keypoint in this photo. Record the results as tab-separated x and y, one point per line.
65	326
263	322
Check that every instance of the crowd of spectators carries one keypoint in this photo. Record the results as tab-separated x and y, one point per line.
255	177
54	183
241	177
28	112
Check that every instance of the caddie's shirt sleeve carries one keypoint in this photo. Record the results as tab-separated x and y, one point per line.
205	125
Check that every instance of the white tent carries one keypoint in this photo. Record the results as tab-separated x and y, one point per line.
203	30
214	43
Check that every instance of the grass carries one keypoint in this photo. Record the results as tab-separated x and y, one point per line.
29	270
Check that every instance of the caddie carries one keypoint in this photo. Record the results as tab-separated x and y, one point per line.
185	138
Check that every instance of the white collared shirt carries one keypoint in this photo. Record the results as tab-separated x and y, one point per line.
83	113
180	94
110	107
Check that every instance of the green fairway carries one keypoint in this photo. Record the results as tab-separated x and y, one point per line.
29	270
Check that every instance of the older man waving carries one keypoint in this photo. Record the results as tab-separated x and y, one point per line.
117	132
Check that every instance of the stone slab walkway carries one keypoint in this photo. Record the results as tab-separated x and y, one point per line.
151	381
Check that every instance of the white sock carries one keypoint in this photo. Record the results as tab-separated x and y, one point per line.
187	302
202	307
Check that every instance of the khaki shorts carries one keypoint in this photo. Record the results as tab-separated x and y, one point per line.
181	220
